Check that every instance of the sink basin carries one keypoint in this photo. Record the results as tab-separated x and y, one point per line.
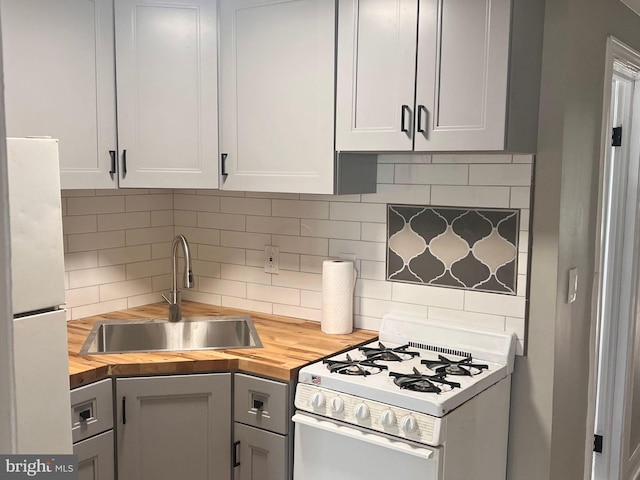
160	335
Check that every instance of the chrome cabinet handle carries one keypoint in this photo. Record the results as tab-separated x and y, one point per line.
124	163
112	154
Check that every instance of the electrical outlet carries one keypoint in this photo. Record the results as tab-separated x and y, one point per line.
271	259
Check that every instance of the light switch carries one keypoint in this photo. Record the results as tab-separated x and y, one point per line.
572	292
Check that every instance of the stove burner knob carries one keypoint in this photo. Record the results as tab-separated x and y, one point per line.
361	411
317	400
388	418
336	405
409	424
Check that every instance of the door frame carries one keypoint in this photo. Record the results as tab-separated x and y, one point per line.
614	297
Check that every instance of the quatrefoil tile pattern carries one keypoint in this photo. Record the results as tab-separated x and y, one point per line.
466	248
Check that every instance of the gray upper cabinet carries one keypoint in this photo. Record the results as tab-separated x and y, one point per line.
174	427
277	95
60	68
60	82
438	75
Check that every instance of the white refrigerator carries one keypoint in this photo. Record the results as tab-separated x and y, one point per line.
37	271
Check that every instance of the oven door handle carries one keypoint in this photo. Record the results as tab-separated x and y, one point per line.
357	434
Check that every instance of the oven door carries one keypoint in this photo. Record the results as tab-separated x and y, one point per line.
326	449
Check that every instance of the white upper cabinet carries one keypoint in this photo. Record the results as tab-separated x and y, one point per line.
59	75
60	67
438	75
376	74
166	60
277	95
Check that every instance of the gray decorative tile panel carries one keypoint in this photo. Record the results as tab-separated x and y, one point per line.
471	249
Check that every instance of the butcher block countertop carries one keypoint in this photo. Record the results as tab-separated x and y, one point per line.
288	344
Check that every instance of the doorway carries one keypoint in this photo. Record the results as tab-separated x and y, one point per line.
617	407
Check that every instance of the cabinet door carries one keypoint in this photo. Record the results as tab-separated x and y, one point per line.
167	93
277	94
461	87
95	457
259	455
376	74
60	82
174	427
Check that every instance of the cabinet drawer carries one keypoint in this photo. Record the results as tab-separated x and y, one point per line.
91	410
262	403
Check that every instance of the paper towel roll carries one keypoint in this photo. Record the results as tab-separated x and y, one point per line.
338	280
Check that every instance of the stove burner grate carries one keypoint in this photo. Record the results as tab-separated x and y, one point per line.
354	367
382	353
417	382
446	366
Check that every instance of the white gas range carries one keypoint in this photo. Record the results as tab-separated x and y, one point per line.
429	396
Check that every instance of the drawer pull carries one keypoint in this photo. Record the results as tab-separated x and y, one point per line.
258	404
124	410
85	415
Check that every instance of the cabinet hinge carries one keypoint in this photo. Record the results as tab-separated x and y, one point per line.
616	137
597	443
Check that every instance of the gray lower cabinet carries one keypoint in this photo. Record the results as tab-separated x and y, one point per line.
92	430
259	454
95	457
174	427
262	443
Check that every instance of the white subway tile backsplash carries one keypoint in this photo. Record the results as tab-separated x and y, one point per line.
147	203
268	293
300	209
246	206
281	225
118	243
254	241
96	276
431	174
81	260
124	255
84	242
80	224
112	291
123	221
196	203
358	212
427	295
330	229
94	205
222	254
242	273
468	196
302	245
222	287
162	218
148	269
221	221
408	194
507	175
362	250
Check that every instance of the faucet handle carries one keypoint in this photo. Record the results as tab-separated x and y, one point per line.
166	299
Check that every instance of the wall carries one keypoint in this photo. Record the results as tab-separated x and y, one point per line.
549	437
117	243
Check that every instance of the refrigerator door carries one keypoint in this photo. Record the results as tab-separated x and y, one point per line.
37	261
43	402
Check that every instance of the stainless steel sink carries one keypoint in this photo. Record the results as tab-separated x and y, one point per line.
160	335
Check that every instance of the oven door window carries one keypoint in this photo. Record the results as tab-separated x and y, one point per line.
325	449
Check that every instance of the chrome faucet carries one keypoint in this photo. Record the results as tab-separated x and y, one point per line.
175	311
